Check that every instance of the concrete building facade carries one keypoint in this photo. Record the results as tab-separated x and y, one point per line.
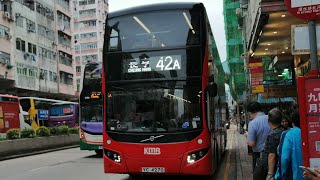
89	21
45	43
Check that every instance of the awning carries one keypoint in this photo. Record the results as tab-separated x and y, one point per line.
262	100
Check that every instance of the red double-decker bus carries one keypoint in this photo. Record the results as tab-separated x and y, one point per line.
161	109
9	112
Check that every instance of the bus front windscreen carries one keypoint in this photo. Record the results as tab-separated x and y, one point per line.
91	113
161	29
154	107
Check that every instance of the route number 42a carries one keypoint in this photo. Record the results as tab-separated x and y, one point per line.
167	64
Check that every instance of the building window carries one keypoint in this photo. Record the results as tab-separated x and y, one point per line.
4	58
92	57
78	58
86	2
65	59
45	32
88	46
45	11
45	53
64	3
78	69
19	21
43	74
33	72
31	26
66	78
4	31
64	39
63	21
87	13
32	48
89	35
77	48
20	45
88	24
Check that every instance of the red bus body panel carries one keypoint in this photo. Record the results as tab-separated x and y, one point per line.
173	157
9	115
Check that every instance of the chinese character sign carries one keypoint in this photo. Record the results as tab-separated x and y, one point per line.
304	9
312	94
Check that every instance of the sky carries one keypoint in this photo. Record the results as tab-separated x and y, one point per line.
214	10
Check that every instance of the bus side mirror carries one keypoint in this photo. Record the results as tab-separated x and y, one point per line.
213	89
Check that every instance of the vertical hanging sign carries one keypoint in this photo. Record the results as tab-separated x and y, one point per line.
256	75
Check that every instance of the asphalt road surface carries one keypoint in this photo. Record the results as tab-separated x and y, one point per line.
73	164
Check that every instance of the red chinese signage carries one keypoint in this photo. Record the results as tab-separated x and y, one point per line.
309	100
304	9
256	75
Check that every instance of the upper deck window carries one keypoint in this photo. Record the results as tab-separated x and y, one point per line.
150	30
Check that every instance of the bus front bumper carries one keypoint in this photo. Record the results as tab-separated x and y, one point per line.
153	165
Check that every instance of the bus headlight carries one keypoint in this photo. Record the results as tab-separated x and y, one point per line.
112	155
196	155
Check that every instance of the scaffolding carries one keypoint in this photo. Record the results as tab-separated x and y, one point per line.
233	28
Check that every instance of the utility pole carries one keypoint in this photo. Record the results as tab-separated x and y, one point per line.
313	47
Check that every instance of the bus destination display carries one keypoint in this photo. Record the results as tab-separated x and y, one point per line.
156	63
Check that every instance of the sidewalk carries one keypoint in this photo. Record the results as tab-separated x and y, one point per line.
237	164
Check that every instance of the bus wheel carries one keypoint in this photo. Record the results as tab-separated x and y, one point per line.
99	152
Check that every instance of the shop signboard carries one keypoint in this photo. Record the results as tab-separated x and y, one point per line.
304	9
309	107
256	75
300	39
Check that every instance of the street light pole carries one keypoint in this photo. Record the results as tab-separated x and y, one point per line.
313	47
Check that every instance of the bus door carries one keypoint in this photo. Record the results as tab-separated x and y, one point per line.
212	125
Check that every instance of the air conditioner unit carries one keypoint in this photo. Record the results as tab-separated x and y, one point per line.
8	36
7	14
31	29
238	11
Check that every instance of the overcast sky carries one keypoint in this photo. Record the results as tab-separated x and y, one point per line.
214	10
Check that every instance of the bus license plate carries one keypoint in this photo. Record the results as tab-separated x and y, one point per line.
153	169
100	147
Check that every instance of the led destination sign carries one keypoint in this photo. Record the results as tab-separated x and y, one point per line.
156	63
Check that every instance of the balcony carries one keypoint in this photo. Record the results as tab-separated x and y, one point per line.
64	7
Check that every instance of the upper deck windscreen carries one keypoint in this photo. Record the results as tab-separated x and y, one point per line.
159	29
92	74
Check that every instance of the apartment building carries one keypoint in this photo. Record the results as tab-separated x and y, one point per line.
36	48
89	21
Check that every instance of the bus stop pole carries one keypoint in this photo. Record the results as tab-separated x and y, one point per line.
313	47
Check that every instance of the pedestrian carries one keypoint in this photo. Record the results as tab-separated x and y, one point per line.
291	152
313	175
266	164
287	125
286	122
258	130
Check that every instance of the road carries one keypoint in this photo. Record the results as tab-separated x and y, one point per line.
73	164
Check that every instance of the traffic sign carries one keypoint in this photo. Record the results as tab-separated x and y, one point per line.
306	9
